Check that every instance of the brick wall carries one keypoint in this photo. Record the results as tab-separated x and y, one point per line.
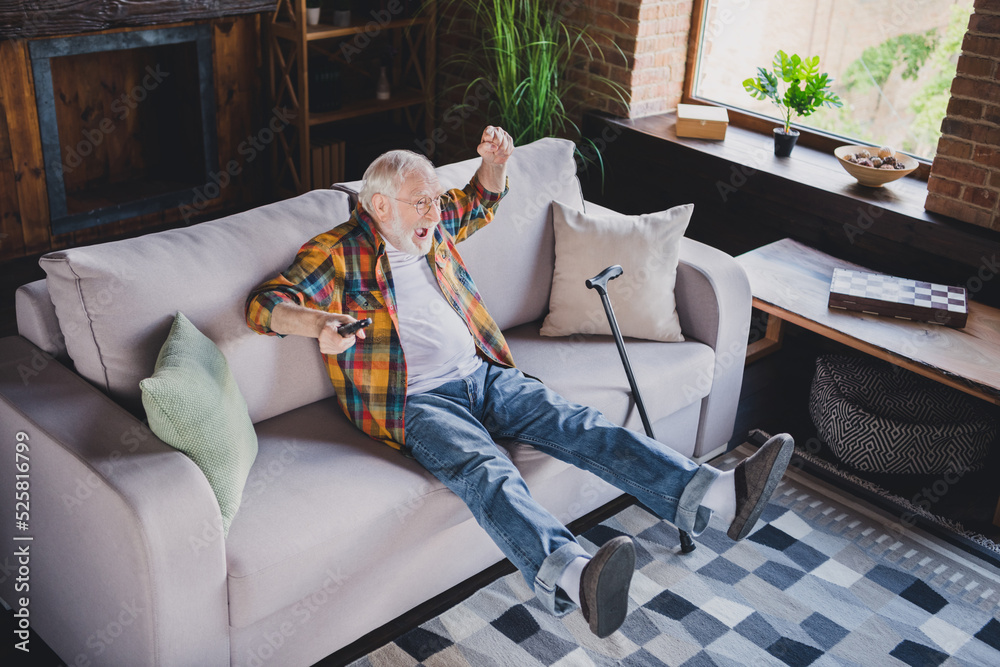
965	177
653	37
645	50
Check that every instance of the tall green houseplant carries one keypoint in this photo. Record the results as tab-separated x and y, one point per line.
523	52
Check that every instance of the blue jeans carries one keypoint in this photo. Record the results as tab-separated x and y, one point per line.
451	429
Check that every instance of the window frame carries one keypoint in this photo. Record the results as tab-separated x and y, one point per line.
755	122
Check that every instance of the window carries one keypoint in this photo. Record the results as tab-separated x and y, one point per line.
892	61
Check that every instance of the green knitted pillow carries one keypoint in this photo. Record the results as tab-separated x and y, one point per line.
193	404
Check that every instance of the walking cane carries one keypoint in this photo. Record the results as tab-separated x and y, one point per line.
600	283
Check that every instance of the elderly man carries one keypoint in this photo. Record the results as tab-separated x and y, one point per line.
434	378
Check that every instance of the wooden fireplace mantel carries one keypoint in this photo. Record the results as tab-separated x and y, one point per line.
26	19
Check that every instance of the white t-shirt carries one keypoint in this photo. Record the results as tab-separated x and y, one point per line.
436	340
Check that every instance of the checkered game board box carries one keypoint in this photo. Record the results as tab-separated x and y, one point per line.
906	299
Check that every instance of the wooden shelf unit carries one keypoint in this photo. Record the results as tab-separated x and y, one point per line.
289	30
291	43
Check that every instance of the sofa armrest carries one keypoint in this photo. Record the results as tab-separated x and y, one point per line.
37	321
126	560
713	304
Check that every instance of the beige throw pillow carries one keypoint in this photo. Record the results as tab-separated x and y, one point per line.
646	246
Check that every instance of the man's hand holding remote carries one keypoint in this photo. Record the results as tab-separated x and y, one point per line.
301	321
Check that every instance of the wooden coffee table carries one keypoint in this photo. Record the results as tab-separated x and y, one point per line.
791	283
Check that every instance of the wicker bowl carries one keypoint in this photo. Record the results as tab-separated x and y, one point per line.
871	176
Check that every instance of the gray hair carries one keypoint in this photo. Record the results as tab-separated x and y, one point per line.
386	174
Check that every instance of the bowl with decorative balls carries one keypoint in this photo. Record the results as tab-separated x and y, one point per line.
874	167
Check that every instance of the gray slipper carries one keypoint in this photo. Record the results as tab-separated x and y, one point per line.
604	585
756	478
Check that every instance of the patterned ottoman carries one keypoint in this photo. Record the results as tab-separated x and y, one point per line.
879	417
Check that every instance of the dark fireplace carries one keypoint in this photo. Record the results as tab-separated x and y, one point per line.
127	122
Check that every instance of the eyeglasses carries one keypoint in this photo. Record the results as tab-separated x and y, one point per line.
424	204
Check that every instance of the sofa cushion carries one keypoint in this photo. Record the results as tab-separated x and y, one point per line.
116	301
323	502
588	370
646	246
511	259
193	405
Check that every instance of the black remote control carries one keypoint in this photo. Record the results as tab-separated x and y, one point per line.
348	329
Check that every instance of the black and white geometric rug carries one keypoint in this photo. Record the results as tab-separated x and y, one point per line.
823	580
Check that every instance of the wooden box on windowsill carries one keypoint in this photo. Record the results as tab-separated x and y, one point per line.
702	122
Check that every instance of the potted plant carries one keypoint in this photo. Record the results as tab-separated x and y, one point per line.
342	13
313	8
522	59
806	89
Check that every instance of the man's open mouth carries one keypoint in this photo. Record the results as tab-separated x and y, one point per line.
422	232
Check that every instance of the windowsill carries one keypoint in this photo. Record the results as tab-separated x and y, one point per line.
896	209
808	166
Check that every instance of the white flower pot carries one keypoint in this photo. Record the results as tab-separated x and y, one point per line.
312	15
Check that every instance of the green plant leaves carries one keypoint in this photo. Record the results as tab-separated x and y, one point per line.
810	67
765	86
877	63
787	67
524	52
807	89
818	88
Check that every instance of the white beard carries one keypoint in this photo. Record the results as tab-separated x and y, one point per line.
402	239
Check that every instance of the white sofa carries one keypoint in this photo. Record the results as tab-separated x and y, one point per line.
337	534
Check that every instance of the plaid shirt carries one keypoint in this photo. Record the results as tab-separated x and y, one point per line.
346	270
